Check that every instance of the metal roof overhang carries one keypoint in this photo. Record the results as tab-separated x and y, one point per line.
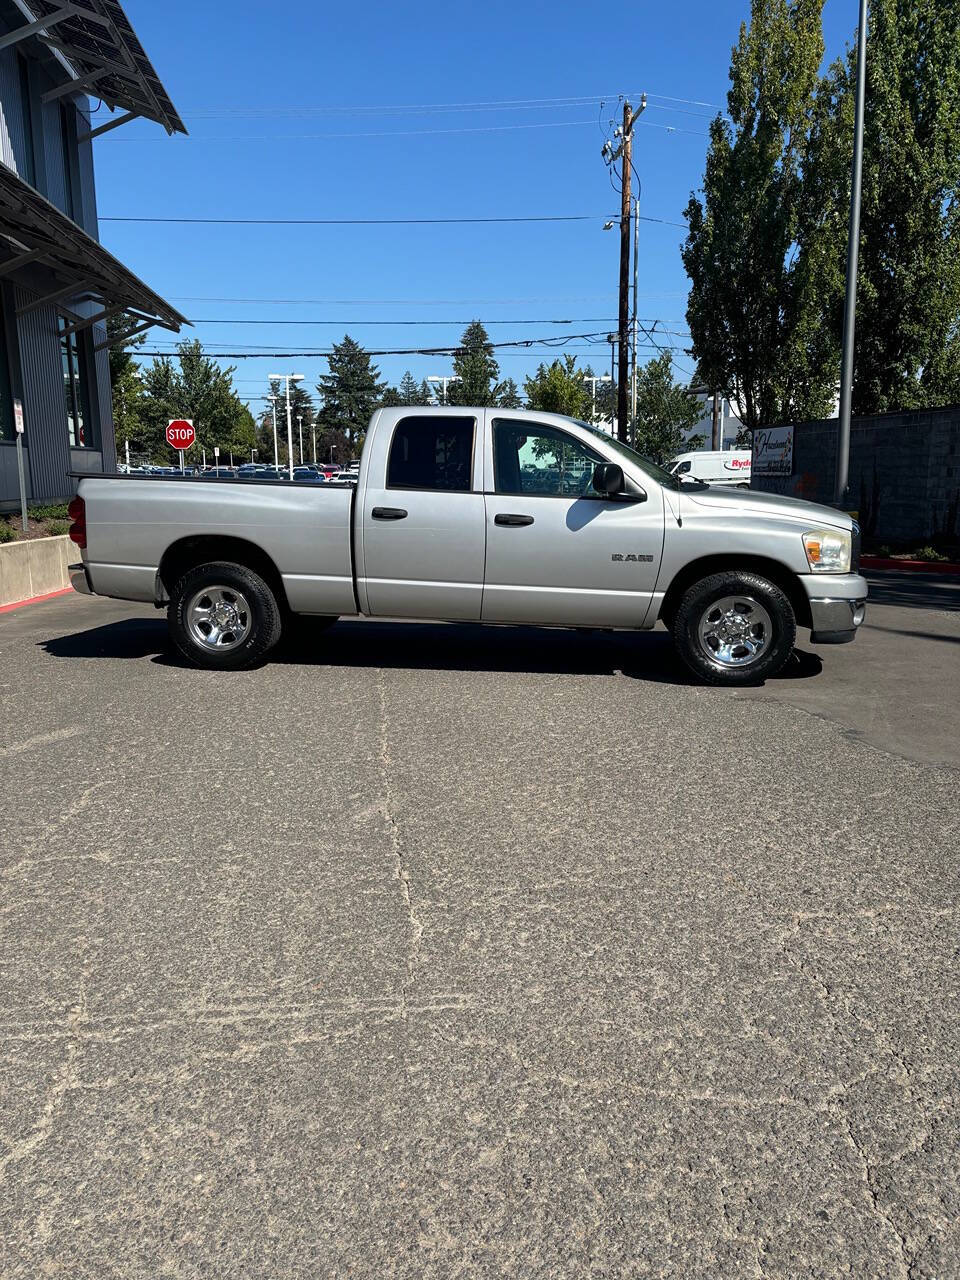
95	40
49	246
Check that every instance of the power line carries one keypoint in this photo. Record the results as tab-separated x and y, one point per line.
414	302
551	342
388	133
373	222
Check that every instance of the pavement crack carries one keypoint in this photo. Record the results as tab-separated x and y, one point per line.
64	1079
873	1195
401	865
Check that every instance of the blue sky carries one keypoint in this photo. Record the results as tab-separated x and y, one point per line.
375	111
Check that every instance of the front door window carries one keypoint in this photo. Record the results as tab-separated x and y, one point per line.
541	461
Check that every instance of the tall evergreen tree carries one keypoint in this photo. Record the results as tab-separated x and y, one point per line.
754	310
475	369
509	396
411	391
350	391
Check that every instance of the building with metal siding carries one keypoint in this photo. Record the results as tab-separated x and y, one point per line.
58	286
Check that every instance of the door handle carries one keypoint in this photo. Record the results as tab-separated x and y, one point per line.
388	513
512	520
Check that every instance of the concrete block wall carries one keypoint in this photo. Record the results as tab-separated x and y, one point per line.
904	472
35	567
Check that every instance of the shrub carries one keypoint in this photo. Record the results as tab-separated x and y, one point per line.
930	554
57	528
56	511
7	531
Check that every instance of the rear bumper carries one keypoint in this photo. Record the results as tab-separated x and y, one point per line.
80	579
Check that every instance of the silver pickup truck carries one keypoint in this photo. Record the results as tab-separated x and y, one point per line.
478	515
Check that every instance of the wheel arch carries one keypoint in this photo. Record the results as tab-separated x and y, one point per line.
187	553
775	570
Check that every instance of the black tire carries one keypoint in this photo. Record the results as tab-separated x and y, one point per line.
778	630
257	614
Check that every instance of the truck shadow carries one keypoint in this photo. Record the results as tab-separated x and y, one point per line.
428	646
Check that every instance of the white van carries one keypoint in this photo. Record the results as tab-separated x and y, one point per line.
715	466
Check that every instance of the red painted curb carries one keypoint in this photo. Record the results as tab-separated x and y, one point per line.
21	604
910	566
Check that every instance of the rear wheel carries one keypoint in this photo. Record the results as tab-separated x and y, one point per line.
734	628
224	616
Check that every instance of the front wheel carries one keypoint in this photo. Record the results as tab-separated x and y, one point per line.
734	628
223	616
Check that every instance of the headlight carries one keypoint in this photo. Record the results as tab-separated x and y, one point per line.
828	550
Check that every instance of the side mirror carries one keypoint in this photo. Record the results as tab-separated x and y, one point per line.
608	478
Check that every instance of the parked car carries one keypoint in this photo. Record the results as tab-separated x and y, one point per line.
306	475
714	466
445	523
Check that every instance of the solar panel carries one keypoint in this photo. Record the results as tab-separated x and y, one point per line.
97	40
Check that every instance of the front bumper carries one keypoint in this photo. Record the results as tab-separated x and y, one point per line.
79	579
838	604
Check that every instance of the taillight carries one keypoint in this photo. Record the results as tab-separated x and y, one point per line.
77	511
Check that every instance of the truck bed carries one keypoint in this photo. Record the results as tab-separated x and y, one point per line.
137	523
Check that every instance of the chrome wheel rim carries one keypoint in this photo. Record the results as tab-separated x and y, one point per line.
735	631
218	618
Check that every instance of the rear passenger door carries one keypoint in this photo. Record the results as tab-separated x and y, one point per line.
422	522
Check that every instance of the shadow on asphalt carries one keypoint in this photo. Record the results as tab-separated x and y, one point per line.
430	646
913	590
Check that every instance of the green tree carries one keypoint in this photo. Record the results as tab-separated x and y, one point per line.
665	411
754	246
509	396
908	291
559	388
193	387
412	391
350	391
125	382
475	369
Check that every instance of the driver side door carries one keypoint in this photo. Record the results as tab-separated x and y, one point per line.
557	552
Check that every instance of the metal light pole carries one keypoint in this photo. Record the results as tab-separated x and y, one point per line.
313	432
853	247
276	455
436	378
288	378
593	379
300	429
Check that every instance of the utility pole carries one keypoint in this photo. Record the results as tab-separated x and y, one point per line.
716	439
624	153
853	247
300	429
636	313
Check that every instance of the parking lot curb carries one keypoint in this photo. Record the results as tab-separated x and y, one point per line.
910	566
49	595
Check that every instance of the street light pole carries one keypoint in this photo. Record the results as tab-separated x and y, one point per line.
853	247
313	433
276	455
288	378
300	429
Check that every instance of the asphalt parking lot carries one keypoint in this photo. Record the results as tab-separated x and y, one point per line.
431	951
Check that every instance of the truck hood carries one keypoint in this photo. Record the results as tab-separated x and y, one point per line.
770	504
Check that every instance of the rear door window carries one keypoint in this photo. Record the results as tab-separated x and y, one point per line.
432	452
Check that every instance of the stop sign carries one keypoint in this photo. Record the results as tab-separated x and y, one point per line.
180	433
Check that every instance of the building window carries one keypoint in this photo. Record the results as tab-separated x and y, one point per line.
29	173
75	388
7	430
68	138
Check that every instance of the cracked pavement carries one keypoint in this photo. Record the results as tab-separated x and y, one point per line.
430	951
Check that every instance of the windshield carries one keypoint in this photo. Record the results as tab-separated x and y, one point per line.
630	455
